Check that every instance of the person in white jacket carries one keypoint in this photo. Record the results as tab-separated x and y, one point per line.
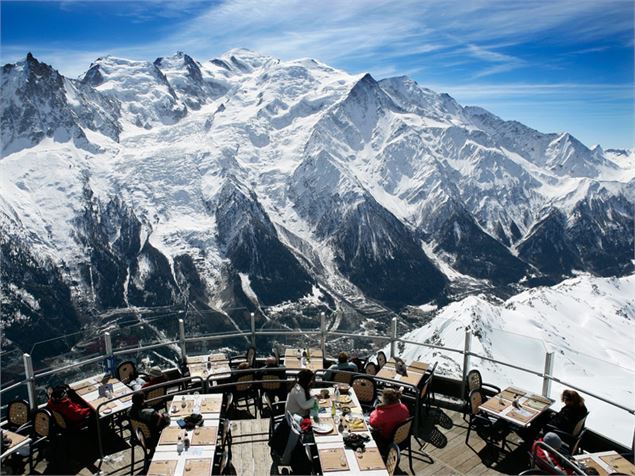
299	400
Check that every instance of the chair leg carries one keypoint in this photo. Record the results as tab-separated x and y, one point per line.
410	457
132	459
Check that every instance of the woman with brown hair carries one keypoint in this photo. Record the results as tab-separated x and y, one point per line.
571	413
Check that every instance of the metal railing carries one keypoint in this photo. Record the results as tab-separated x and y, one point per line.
323	333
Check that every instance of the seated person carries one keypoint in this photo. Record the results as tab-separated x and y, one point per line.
75	414
571	413
155	377
342	364
386	417
299	399
155	420
272	363
545	460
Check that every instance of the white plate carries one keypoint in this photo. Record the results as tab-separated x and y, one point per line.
107	410
322	427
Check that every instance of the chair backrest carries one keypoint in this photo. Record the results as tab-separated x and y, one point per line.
577	429
224	462
142	427
141	439
156	393
474	381
18	413
476	400
243	387
371	368
225	436
342	377
59	420
392	459
381	359
364	389
425	388
278	375
42	421
403	431
126	371
229	400
250	356
276	354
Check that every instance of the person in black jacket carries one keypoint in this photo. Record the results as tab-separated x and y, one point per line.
571	413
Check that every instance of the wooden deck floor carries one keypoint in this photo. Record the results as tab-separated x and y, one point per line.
251	452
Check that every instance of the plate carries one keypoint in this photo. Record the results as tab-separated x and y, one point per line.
345	399
322	427
107	410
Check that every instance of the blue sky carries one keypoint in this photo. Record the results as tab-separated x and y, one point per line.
554	65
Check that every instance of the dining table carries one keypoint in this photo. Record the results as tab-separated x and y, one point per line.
414	372
517	406
605	463
94	391
198	459
17	443
293	359
335	457
211	365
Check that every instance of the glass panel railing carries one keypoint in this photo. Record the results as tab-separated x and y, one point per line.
603	378
509	349
450	334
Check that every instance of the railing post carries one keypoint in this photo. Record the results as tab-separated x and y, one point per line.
110	357
467	349
323	333
393	339
253	329
30	380
182	339
546	379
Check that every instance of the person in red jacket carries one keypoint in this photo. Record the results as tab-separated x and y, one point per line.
386	417
545	459
76	415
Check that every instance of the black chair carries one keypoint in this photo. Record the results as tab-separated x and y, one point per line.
381	360
138	438
548	466
474	381
402	436
127	371
365	390
273	382
246	391
276	412
570	441
392	459
490	430
371	368
44	436
18	415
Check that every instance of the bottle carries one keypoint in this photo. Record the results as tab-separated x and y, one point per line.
303	360
333	409
340	427
179	445
186	441
308	354
315	411
337	393
183	402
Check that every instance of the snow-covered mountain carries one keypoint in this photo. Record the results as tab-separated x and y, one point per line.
249	181
588	323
